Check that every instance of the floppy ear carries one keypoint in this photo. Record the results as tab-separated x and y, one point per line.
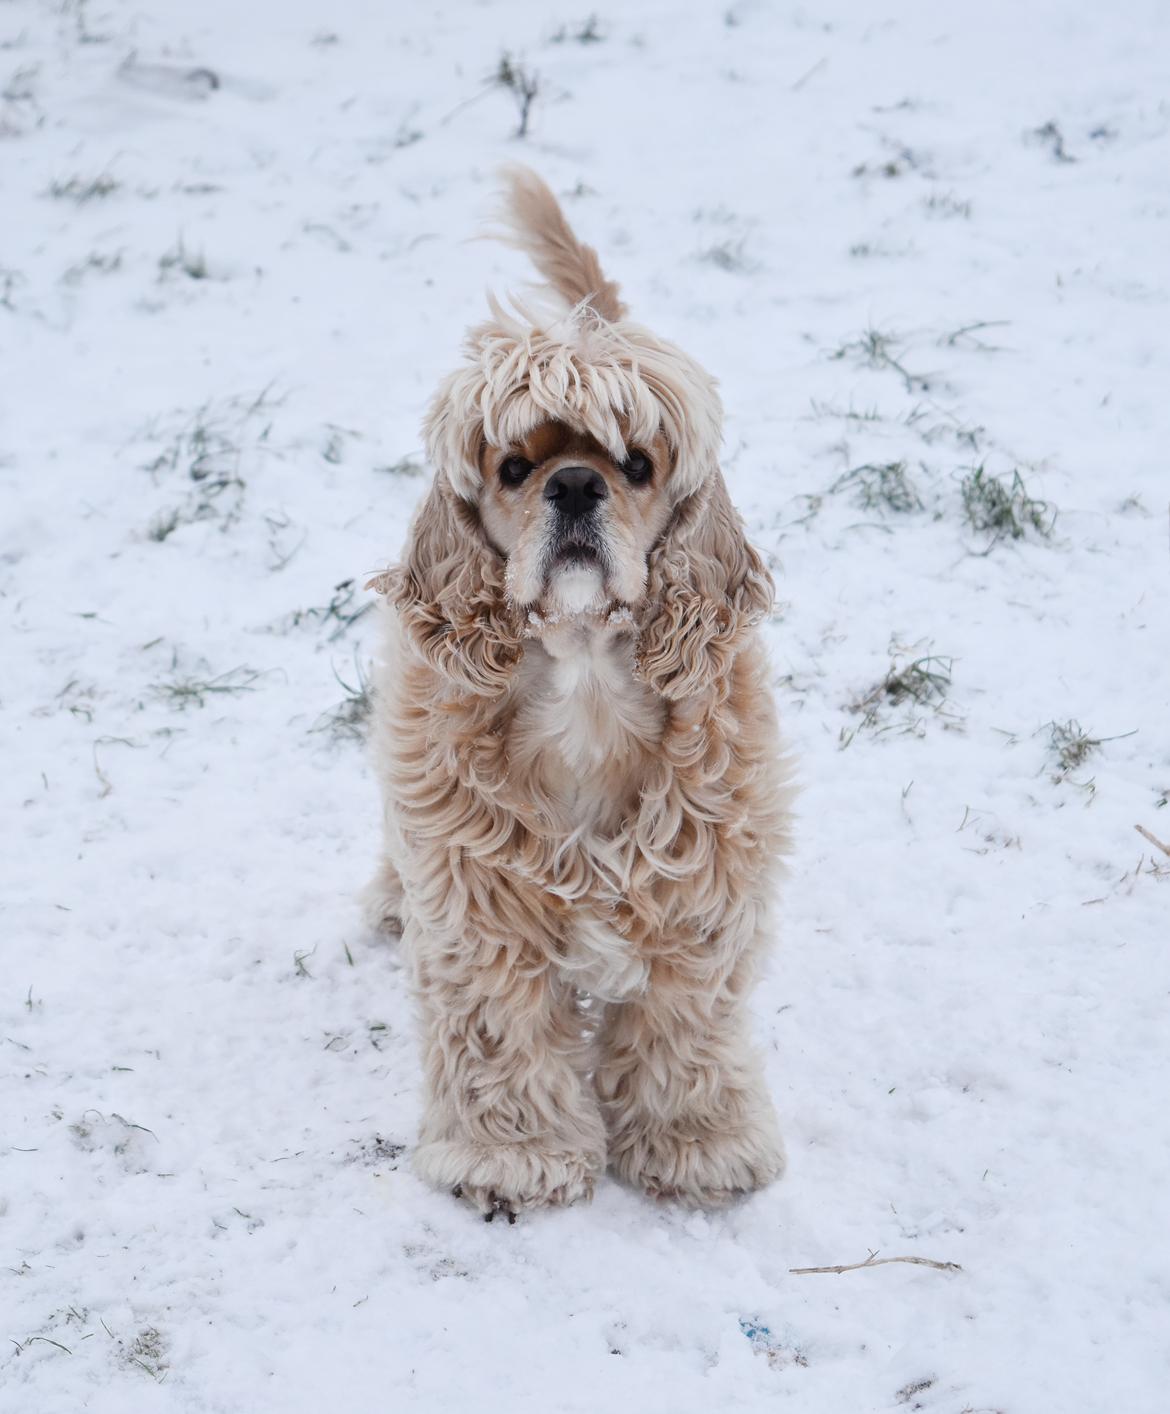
707	587
449	593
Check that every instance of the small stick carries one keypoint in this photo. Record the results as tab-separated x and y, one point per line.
872	1261
1153	839
804	78
467	102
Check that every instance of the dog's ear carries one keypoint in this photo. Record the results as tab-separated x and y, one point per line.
449	593
707	586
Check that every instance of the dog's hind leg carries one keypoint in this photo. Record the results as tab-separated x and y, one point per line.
383	900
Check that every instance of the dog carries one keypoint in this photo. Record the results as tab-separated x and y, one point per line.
586	801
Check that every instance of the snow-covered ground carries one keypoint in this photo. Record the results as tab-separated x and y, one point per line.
913	240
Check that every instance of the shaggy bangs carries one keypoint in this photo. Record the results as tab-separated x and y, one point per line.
616	382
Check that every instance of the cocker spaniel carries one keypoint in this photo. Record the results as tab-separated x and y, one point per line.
585	797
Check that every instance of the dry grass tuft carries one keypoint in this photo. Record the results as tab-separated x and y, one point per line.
1001	507
885	486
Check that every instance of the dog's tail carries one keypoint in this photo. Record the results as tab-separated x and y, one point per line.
536	224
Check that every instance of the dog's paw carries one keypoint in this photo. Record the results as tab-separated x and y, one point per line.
705	1169
507	1179
383	902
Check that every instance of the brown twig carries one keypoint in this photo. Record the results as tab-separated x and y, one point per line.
872	1261
1153	839
808	73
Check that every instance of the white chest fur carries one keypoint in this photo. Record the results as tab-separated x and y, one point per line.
586	727
584	719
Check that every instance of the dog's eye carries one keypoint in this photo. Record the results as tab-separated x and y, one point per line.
514	470
637	467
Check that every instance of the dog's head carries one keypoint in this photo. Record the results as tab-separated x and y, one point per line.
576	473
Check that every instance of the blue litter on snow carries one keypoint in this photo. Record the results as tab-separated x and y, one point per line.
755	1330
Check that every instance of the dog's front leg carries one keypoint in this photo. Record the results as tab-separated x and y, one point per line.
682	1089
511	1121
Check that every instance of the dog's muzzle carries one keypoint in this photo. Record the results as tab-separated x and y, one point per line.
575	496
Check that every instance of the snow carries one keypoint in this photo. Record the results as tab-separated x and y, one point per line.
213	374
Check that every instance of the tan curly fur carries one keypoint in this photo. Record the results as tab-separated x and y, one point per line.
585	797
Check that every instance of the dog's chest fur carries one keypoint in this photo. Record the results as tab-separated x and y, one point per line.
585	732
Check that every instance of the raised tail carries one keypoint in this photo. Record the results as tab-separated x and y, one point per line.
536	224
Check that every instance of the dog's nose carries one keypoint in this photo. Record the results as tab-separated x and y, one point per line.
575	490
